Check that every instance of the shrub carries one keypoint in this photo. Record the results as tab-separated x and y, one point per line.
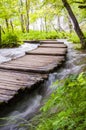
9	39
74	38
37	35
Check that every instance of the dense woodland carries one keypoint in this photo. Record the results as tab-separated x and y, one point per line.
17	20
66	107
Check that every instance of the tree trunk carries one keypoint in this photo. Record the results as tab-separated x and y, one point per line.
45	20
59	26
69	24
22	23
2	30
41	25
27	15
11	23
21	16
76	25
0	34
7	24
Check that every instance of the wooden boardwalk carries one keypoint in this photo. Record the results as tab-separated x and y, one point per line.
12	81
30	69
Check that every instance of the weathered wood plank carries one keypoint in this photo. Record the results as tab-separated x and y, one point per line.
48	51
53	41
12	81
10	86
31	41
7	92
50	42
53	45
34	63
18	75
41	41
5	97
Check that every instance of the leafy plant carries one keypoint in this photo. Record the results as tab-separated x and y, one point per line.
66	108
9	39
74	38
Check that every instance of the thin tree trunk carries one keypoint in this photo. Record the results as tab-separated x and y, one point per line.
7	24
59	26
69	24
27	15
41	25
2	30
22	23
22	17
0	34
54	27
45	24
76	25
11	23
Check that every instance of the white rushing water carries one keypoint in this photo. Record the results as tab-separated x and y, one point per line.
8	54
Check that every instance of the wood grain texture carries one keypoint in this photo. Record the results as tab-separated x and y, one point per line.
48	51
12	81
53	46
34	63
51	42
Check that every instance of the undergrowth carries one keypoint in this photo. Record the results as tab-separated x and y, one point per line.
66	107
16	37
9	40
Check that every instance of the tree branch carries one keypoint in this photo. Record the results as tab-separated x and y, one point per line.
82	6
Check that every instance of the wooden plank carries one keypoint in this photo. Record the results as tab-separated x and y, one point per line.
7	92
50	42
2	99
43	41
49	51
37	41
10	87
31	41
19	76
12	81
53	45
5	97
34	63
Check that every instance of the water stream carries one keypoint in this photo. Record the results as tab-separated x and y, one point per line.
10	54
30	104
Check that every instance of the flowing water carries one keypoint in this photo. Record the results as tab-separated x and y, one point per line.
27	107
10	54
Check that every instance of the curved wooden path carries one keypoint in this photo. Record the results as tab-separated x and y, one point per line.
31	69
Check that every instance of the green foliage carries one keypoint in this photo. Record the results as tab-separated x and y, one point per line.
9	39
38	35
73	37
66	108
